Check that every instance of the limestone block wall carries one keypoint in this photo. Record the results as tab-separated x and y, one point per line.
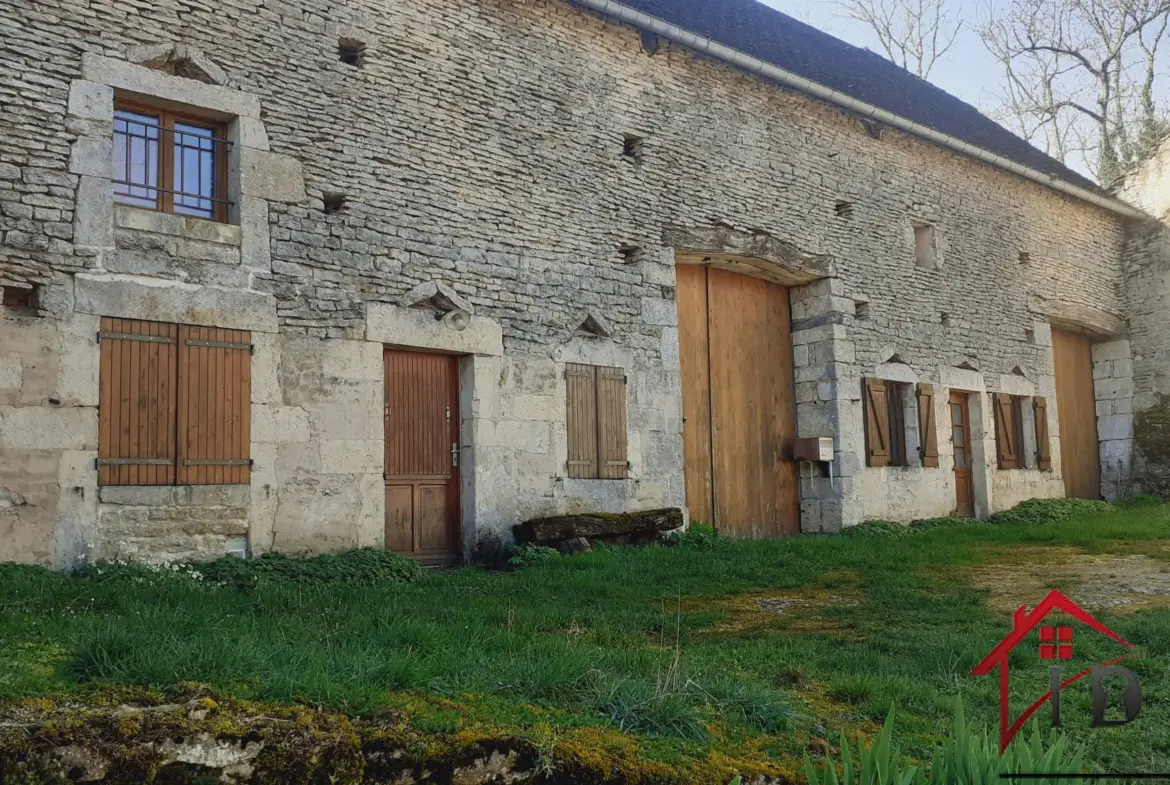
48	436
317	437
1113	388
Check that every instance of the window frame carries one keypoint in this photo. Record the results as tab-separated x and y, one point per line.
165	188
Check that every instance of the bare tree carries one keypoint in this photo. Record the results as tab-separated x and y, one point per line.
912	33
1081	76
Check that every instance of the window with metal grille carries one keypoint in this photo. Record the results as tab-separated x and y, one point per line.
596	422
174	406
170	162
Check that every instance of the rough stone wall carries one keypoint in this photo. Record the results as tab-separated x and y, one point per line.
169	523
481	143
1147	272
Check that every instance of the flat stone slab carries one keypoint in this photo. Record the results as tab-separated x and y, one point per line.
600	525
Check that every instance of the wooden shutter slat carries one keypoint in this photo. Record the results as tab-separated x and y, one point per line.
215	392
1004	431
135	411
1043	455
877	426
927	427
611	424
581	394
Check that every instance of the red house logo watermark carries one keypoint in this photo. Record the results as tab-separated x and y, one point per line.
1056	646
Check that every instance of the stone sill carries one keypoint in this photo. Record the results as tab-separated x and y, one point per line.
185	226
176	496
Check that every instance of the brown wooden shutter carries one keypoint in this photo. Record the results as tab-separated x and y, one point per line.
611	424
136	409
927	428
877	424
582	420
1043	456
215	406
1004	431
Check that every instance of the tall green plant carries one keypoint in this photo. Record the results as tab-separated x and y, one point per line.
968	757
972	757
878	764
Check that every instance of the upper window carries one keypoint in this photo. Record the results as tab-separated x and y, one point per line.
174	405
597	422
885	423
170	162
1009	431
925	253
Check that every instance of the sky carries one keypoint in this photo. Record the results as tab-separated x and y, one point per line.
967	71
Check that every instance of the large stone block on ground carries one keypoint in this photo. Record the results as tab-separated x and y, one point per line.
549	531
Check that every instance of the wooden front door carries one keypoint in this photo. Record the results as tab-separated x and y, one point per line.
1080	460
961	437
739	416
422	456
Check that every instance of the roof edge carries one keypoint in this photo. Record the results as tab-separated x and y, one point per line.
746	62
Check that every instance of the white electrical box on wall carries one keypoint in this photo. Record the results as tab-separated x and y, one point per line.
818	449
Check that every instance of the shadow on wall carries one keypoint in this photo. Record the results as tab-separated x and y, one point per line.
1152	449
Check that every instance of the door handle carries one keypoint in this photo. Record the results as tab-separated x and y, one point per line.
455	454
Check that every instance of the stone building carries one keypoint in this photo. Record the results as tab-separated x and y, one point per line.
306	276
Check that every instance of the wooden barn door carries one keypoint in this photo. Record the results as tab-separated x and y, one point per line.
739	416
1080	458
422	456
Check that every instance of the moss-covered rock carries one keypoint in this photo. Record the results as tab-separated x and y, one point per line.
193	736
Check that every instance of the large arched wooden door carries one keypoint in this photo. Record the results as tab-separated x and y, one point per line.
1076	408
739	415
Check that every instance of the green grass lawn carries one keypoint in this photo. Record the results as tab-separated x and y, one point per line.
678	650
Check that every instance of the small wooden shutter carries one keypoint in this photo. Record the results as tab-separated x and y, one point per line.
927	428
136	409
215	406
877	424
1043	456
1005	431
582	420
611	424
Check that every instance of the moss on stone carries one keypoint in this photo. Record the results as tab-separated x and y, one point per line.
121	735
1152	440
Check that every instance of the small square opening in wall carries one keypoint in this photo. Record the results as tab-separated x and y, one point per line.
843	209
21	300
632	148
351	52
924	248
333	203
629	253
1025	257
